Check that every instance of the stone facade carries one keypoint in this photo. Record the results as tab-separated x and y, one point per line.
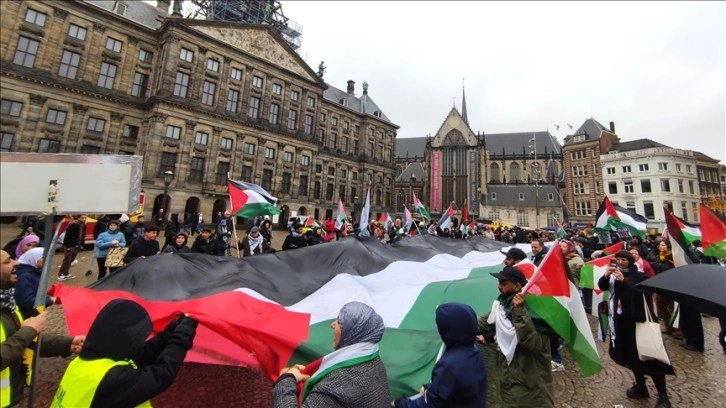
199	98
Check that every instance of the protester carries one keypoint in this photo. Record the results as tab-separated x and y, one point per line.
112	238
179	245
72	244
661	262
26	244
139	229
18	334
539	250
513	256
352	376
118	367
523	340
315	236
459	378
173	227
254	243
29	269
148	246
626	307
204	244
642	264
295	239
266	230
127	228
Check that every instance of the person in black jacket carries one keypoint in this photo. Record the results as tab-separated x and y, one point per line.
295	239
72	244
148	246
136	370
172	229
204	244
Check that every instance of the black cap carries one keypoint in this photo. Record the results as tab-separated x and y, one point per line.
512	274
625	254
515	253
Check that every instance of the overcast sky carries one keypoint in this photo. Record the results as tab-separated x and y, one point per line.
656	69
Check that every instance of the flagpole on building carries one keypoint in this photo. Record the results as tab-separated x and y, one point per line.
234	226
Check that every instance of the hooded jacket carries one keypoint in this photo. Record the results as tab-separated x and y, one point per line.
119	333
459	378
172	248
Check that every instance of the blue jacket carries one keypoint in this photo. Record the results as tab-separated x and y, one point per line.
103	242
459	378
26	288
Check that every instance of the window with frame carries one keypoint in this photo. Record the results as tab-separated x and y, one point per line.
346	124
321	135
311	101
288	157
196	170
341	191
232	100
662	166
225	143
678	167
521	196
113	44
612	187
96	124
253	109
688	168
371	148
6	141
354	193
277	89
493	196
69	64
343	174
691	190
611	170
35	17
48	146
221	174
201	138
318	168
88	149
186	54
331	170
550	197
173	132
323	117
334	120
141	82
236	74
303	187
56	117
130	132
309	124
145	56
522	217
25	52
643	167
212	65
286	184
304	160
292	120
680	186
257	81
645	186
514	172
665	185
626	169
269	153
181	84
274	114
316	190
294	95
628	187
329	191
249	148
11	108
107	75
247	173
333	140
344	144
209	90
77	32
648	210
267	179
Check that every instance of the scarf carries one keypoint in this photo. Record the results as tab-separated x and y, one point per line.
296	235
23	242
663	255
254	242
349	356
7	299
506	333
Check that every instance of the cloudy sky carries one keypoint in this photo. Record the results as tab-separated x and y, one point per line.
656	69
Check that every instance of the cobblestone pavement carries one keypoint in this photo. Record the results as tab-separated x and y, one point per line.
700	379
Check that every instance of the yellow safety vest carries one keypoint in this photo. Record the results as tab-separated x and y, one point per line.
5	391
81	380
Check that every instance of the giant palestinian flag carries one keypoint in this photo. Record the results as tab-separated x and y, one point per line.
272	310
250	200
713	233
611	217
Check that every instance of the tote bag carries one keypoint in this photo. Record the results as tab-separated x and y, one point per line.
115	257
649	340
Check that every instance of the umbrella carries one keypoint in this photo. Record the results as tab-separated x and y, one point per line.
701	285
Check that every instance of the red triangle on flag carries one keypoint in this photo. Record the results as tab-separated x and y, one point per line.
612	249
550	278
237	197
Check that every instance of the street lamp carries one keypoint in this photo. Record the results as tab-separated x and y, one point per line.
168	177
536	172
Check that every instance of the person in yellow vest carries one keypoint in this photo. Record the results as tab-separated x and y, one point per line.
17	334
118	367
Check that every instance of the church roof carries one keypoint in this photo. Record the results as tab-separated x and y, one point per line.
518	143
416	169
138	11
410	146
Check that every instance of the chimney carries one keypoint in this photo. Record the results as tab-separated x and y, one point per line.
163	6
612	127
351	87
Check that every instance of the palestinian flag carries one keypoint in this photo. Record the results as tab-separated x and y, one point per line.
365	215
250	200
689	232
311	223
404	282
340	219
445	220
560	230
682	253
610	217
408	222
612	249
464	219
713	233
385	221
419	208
555	298
590	274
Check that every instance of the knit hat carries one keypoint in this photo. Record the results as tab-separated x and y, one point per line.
625	254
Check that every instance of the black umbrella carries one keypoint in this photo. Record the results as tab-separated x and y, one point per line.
700	285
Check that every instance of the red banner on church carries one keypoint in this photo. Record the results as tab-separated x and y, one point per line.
435	181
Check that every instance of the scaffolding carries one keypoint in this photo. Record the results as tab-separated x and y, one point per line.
250	11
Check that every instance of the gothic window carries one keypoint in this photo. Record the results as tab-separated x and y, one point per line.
494	173
514	172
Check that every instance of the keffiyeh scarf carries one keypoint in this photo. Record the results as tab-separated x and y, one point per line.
7	299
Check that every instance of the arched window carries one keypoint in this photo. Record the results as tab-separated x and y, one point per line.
494	173
514	172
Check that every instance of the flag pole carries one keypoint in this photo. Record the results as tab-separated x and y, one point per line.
234	226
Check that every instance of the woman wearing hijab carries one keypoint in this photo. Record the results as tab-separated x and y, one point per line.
626	307
352	376
29	268
26	244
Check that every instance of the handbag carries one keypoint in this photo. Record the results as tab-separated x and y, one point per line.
115	257
649	340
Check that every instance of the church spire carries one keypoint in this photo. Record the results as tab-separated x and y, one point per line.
463	104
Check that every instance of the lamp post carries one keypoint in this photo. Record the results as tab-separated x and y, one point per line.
168	177
536	173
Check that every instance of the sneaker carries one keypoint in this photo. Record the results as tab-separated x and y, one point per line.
637	392
62	277
557	366
663	402
69	276
75	262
